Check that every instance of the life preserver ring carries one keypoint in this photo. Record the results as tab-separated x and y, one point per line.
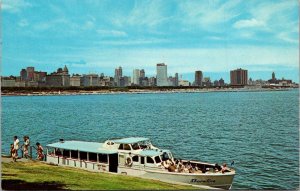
128	161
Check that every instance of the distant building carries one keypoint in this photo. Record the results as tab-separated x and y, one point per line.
152	81
206	82
23	75
8	81
176	80
239	77
142	73
161	75
184	83
90	80
60	78
75	80
30	73
136	77
118	76
221	82
198	78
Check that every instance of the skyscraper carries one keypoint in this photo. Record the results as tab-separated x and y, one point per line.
30	73
176	80
198	78
239	77
23	74
161	75
142	73
118	76
136	77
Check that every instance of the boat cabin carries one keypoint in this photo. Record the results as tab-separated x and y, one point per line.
87	155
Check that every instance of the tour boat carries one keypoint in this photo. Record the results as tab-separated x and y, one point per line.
136	156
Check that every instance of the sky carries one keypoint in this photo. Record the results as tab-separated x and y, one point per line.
97	36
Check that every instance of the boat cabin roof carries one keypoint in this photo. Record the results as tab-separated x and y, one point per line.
91	147
130	140
152	153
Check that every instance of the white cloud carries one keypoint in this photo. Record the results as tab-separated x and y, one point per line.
209	14
248	23
132	42
188	60
14	6
113	33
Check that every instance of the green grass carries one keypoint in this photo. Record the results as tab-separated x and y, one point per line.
36	175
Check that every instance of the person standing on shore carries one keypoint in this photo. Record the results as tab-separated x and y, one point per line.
26	146
12	152
16	146
40	154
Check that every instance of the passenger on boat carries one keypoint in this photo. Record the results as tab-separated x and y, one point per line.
217	167
172	168
180	168
224	168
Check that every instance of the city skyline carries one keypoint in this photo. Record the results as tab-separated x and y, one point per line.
98	36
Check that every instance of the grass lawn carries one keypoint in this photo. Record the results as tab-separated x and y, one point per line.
40	176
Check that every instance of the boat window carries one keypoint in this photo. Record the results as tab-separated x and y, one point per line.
66	153
93	157
150	160
74	154
103	158
58	152
127	147
110	143
157	159
83	155
135	146
135	158
121	146
165	156
142	160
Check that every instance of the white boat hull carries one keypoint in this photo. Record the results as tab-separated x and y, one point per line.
214	180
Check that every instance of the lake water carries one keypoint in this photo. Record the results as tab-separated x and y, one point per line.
258	130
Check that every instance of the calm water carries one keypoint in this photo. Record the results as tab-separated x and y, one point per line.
258	130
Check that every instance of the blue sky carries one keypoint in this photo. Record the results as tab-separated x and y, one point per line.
95	36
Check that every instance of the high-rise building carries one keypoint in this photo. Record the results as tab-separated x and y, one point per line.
136	77
23	75
161	75
239	77
118	76
30	73
176	80
198	78
142	73
221	82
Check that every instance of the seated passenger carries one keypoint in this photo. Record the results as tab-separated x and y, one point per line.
172	168
217	167
224	168
180	168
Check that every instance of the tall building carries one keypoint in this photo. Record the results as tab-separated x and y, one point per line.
118	76
30	73
176	80
142	73
23	75
198	78
161	75
136	77
221	82
239	77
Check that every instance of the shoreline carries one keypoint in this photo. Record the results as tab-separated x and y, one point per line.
138	91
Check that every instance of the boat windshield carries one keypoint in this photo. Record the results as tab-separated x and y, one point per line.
135	146
157	159
164	156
